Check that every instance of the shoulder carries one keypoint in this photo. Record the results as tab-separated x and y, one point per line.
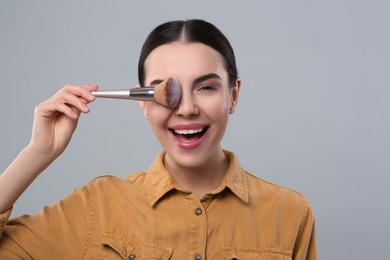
109	180
289	209
263	191
110	184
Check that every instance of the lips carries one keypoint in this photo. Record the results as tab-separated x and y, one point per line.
189	137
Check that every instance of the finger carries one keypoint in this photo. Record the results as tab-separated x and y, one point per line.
72	100
91	87
69	111
82	92
49	109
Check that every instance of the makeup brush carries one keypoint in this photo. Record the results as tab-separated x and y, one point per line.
167	93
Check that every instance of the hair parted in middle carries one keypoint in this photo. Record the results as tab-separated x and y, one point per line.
189	31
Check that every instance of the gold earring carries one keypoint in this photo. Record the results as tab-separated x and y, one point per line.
146	114
231	110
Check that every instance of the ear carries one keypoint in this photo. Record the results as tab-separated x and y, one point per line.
235	93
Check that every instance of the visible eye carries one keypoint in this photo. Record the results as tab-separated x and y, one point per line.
207	88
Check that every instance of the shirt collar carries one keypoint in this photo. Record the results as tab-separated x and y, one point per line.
159	181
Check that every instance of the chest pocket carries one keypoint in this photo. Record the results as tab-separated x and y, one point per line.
122	249
231	253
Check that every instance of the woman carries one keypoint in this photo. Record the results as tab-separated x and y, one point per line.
195	201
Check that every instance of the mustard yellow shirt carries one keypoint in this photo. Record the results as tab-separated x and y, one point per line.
148	216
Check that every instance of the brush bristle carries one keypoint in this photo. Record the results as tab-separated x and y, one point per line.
168	93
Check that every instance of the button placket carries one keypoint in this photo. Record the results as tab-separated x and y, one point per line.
197	227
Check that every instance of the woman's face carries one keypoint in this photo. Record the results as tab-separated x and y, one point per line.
190	133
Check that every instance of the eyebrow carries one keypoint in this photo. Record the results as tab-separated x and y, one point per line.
206	77
195	81
155	82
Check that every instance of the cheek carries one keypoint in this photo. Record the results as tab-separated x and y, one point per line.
158	115
218	108
217	111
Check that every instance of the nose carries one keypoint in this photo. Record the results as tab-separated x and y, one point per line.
187	106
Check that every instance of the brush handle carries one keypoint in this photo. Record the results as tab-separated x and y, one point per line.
146	93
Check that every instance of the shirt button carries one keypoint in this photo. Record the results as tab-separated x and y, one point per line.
197	257
198	211
132	257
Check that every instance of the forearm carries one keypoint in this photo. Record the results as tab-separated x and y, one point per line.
55	120
20	174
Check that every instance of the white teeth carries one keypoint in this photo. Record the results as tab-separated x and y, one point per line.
188	131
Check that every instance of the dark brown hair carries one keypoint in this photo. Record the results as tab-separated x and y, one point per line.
189	31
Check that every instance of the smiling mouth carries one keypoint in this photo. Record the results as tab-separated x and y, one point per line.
186	135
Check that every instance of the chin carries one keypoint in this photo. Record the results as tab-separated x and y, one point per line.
189	159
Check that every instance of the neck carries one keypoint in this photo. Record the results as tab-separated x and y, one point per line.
202	179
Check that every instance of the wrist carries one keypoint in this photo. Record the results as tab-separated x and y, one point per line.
40	159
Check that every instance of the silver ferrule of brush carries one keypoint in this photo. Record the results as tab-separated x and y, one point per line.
145	93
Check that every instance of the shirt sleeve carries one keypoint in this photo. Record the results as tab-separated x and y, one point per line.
3	220
306	246
57	230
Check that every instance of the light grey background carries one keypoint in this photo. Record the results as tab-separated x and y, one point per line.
313	112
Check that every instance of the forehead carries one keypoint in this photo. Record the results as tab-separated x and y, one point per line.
183	60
